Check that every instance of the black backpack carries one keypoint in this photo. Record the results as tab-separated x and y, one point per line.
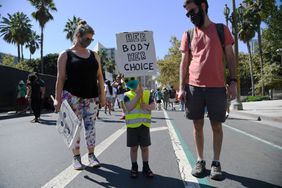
220	33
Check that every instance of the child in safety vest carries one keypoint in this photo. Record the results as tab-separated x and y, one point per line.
138	103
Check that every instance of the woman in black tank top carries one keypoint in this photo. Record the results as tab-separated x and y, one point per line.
78	78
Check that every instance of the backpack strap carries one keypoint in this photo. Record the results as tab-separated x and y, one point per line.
190	34
220	33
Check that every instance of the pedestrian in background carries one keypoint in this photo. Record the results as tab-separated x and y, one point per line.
172	97
34	96
120	86
109	96
202	78
21	100
78	77
165	97
138	106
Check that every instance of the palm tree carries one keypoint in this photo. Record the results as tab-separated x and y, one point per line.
103	56
71	26
15	29
247	31
42	15
33	43
263	9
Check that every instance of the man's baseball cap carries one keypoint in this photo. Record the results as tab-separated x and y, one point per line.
197	2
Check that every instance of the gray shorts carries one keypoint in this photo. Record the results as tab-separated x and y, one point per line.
138	136
197	98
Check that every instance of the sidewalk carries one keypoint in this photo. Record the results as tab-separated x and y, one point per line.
265	110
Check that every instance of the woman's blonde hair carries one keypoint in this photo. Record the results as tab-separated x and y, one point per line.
82	29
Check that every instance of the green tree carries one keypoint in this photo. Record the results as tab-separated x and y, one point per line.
272	35
50	63
247	28
23	65
71	26
8	60
104	58
15	29
33	43
169	66
42	15
264	9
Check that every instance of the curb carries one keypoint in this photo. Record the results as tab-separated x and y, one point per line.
258	117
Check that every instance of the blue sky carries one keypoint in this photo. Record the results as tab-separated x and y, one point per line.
165	18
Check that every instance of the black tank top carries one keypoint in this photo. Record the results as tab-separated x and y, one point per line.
81	75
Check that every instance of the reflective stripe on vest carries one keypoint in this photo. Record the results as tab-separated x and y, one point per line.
138	116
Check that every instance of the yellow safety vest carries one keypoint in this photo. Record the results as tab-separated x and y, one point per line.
136	117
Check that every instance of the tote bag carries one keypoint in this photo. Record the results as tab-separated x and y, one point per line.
68	124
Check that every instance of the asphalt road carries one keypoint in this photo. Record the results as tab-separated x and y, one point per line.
34	155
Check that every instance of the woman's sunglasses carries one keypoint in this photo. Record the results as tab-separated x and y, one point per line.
129	79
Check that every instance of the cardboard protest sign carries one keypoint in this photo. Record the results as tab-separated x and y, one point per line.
68	124
136	55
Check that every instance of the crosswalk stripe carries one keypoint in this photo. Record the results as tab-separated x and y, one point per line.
66	176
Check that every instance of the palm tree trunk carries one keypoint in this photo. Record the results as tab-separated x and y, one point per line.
22	52
41	50
19	52
261	60
251	67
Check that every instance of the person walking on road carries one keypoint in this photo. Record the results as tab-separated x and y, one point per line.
138	106
202	79
34	96
21	100
109	96
78	77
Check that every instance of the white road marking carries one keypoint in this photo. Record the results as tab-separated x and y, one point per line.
158	129
183	163
252	136
66	176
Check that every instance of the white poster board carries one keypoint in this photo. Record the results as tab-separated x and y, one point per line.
136	55
68	124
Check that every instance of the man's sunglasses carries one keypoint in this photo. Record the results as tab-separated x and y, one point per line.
129	79
192	12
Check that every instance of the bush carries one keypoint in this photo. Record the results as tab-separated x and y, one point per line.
257	98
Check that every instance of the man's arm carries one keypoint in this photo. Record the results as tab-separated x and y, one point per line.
183	72
232	65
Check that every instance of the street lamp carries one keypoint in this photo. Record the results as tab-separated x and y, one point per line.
226	13
237	105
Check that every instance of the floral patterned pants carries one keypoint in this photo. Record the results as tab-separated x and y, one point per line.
85	109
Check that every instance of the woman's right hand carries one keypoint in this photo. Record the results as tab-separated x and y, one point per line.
57	105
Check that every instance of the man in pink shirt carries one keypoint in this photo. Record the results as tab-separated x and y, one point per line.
202	81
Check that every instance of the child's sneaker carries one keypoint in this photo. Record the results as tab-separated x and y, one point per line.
77	165
93	161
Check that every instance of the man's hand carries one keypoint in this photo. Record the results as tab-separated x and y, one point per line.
232	91
181	94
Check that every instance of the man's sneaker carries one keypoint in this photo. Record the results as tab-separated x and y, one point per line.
77	165
200	169
93	161
216	173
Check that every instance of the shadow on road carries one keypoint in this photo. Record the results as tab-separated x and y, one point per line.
244	181
249	182
47	122
119	177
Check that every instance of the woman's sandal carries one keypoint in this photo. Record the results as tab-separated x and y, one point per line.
148	173
134	173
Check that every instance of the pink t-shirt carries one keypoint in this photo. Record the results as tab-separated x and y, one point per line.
206	68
